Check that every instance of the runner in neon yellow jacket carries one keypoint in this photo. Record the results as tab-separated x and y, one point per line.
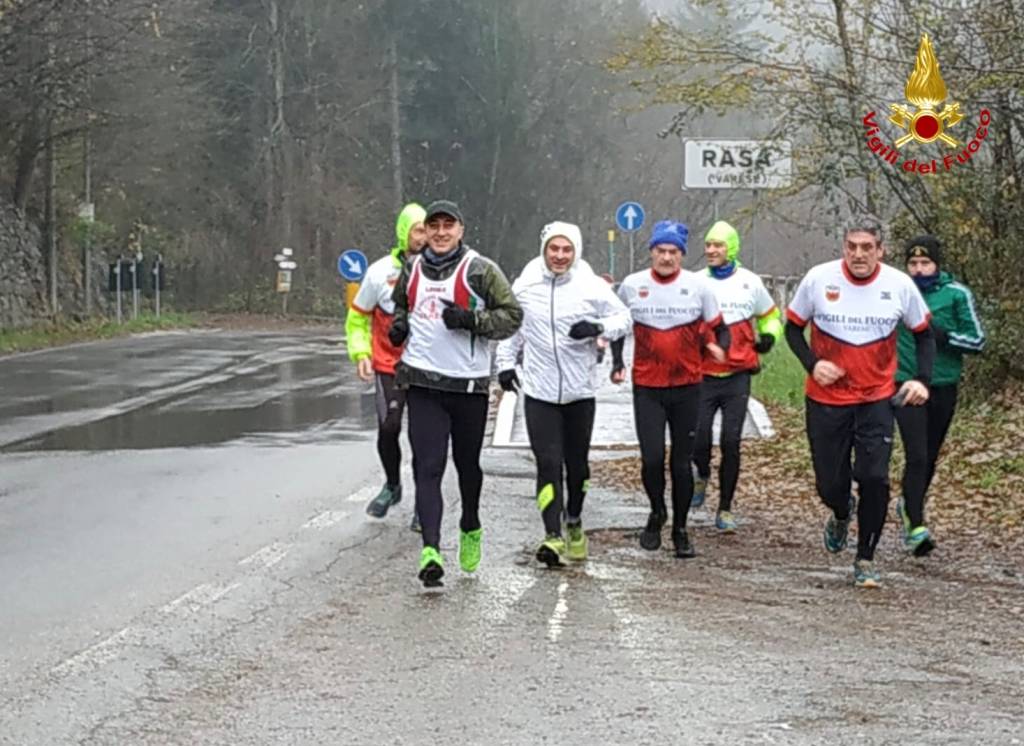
366	331
754	326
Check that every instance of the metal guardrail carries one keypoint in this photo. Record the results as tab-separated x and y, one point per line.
781	288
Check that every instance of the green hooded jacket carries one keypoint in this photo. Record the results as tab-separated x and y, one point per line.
358	326
954	313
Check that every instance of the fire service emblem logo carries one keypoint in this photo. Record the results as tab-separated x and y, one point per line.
928	119
927	91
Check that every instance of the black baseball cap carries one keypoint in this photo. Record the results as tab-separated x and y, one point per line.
444	207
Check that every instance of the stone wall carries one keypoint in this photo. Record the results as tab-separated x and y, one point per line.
22	272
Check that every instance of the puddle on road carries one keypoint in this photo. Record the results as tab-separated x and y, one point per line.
283	399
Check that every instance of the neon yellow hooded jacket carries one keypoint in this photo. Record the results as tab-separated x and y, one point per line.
368	321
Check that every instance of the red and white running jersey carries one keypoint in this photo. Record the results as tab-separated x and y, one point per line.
743	298
374	300
854	324
668	320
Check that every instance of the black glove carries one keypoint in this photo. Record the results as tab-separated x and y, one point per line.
398	333
457	318
765	343
584	329
508	380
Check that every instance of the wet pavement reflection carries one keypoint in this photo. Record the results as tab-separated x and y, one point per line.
260	388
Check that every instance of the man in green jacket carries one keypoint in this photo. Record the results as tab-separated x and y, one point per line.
367	325
450	302
957	331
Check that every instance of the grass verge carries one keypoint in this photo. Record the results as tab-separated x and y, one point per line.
61	332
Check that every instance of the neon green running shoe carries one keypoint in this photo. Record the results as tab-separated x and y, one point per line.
551	550
578	542
431	567
905	527
919	541
469	549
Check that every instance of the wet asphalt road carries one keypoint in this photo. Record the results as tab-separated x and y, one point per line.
184	559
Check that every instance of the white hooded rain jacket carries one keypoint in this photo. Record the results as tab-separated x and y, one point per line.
557	368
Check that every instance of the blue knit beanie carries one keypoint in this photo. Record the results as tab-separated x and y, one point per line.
671	232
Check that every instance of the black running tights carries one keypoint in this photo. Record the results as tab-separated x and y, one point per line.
434	417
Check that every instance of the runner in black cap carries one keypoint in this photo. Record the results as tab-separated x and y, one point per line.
449	302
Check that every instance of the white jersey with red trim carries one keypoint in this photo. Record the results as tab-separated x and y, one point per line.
668	320
853	325
431	346
374	300
742	297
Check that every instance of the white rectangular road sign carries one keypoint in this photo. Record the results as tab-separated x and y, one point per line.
737	164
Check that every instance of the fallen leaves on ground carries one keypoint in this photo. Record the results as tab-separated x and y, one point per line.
976	502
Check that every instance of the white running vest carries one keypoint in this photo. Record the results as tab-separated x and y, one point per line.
456	353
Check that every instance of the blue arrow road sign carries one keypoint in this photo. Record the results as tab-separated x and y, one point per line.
352	265
629	216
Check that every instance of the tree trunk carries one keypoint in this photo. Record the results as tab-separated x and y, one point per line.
396	124
280	136
28	152
851	86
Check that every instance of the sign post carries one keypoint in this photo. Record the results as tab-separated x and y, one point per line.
352	265
87	213
630	218
158	268
611	253
285	265
117	274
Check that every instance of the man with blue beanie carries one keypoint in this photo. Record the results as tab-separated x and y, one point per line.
670	308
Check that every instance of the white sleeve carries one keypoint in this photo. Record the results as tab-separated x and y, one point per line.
508	351
366	296
763	301
612	312
801	307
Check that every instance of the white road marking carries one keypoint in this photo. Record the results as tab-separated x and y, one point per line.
505	586
268	556
94	655
326	519
362	495
557	619
200	596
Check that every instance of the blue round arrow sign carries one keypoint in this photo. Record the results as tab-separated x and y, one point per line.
352	265
629	216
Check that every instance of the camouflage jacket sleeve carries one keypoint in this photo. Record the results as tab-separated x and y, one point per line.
502	314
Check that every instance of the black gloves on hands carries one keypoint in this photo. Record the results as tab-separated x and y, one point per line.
508	380
765	343
457	318
398	332
584	329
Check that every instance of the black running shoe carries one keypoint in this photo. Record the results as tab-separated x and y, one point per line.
650	537
389	495
683	545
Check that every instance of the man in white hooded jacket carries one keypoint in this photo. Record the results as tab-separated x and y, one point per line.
566	310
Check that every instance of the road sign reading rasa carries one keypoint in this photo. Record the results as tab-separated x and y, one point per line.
352	265
737	164
630	216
